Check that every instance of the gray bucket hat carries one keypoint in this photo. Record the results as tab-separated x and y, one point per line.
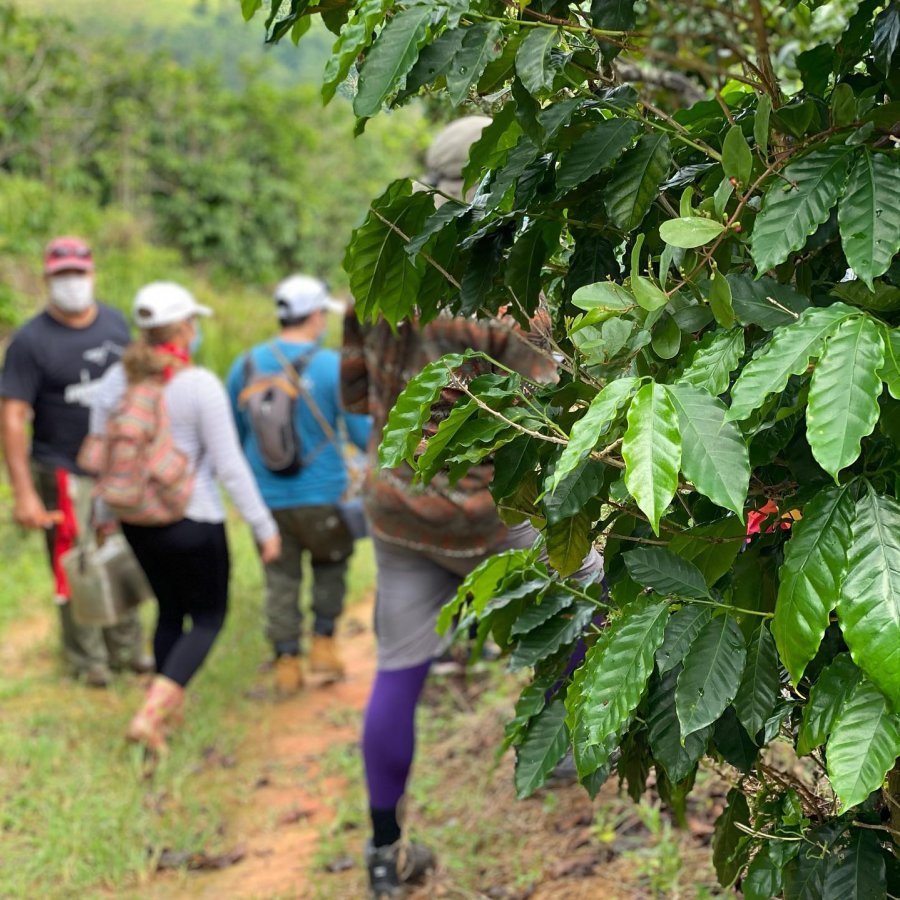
449	153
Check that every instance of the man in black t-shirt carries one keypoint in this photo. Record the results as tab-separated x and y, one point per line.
51	368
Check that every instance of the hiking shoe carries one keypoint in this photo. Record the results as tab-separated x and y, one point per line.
324	658
288	675
96	676
393	867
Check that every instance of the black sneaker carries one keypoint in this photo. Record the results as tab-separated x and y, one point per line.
396	865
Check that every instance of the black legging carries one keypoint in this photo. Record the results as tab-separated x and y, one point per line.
187	567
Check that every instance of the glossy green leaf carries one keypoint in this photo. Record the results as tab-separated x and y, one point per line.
891	371
788	353
714	455
568	542
391	57
249	8
690	232
647	294
651	449
588	430
869	602
869	214
758	692
731	740
791	214
720	300
525	261
593	152
683	626
843	394
547	639
431	461
711	548
665	572
804	876
764	878
715	358
761	124
544	746
863	745
575	491
737	160
617	670
433	62
858	871
765	302
603	300
547	605
635	181
355	36
666	340
711	674
815	561
826	699
534	65
480	45
730	846
887	36
665	734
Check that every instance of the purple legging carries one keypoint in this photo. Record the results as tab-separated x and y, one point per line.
389	733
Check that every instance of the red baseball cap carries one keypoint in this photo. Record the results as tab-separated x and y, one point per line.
67	254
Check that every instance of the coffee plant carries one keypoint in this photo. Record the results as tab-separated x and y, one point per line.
696	208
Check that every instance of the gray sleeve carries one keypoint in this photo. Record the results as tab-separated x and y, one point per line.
109	391
226	459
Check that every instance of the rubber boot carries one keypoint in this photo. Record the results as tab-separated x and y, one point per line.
324	658
163	699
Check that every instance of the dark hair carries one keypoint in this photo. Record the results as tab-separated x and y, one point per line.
293	321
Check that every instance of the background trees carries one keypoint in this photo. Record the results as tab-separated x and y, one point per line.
722	283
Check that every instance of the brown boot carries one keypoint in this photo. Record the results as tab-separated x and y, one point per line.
148	727
288	675
324	657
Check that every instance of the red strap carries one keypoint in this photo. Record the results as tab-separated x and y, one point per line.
65	532
179	353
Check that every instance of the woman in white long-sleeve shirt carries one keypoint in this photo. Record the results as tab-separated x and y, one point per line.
186	562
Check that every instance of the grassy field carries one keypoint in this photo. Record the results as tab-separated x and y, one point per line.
76	817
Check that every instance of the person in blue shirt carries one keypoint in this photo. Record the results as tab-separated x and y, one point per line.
285	395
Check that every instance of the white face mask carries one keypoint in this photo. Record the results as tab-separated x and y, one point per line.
72	293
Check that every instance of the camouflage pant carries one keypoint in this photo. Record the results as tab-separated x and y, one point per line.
86	646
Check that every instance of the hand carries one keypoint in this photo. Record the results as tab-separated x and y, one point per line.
270	549
30	512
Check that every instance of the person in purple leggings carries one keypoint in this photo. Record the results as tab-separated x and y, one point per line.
426	540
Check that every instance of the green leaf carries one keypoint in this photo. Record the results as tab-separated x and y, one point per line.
843	394
568	542
790	216
815	560
869	215
720	300
665	734
715	358
666	340
826	700
588	430
858	871
683	626
730	845
481	44
433	62
593	152
647	294
391	57
603	300
788	353
617	669
612	15
712	548
804	876
887	35
714	455
666	573
761	124
731	740
575	491
534	65
383	278
651	449
869	602
843	105
863	746
891	371
635	181
690	232
431	461
544	746
491	148
765	302
758	692
554	601
711	675
549	637
403	430
737	160
249	8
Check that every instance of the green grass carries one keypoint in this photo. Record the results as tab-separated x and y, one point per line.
77	818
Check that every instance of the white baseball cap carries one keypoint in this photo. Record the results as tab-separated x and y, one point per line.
164	303
302	295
